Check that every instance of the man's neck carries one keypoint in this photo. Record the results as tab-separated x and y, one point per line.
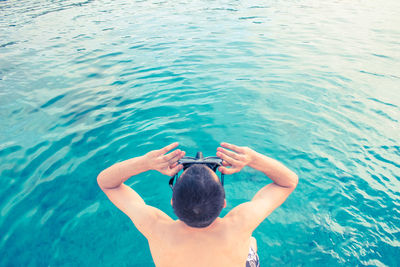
187	228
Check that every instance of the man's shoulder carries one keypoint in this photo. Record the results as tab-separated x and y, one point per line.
240	218
238	213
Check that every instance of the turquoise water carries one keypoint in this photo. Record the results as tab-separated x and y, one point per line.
86	84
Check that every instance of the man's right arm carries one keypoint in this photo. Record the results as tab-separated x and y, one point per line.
268	198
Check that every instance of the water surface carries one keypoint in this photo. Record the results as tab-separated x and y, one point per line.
85	84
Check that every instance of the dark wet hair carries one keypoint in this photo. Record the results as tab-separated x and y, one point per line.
197	197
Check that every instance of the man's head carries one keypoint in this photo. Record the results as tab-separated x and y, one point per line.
198	196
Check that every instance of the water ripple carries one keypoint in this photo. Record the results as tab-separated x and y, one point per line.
85	84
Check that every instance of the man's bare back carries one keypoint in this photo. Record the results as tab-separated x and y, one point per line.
220	244
226	241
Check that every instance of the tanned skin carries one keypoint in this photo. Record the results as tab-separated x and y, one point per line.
227	240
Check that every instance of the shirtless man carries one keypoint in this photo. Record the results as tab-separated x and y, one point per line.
199	237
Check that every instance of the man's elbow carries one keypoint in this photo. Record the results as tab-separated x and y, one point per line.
104	182
100	180
294	180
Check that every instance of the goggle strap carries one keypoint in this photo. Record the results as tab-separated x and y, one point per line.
171	181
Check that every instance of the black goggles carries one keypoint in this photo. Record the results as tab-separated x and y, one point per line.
212	162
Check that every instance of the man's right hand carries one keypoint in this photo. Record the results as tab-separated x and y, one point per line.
235	158
165	163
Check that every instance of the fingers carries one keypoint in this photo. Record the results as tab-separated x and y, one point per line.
228	159
175	170
229	153
237	149
175	154
172	158
174	165
225	170
224	163
167	148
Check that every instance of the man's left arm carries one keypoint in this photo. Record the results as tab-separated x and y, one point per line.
111	181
